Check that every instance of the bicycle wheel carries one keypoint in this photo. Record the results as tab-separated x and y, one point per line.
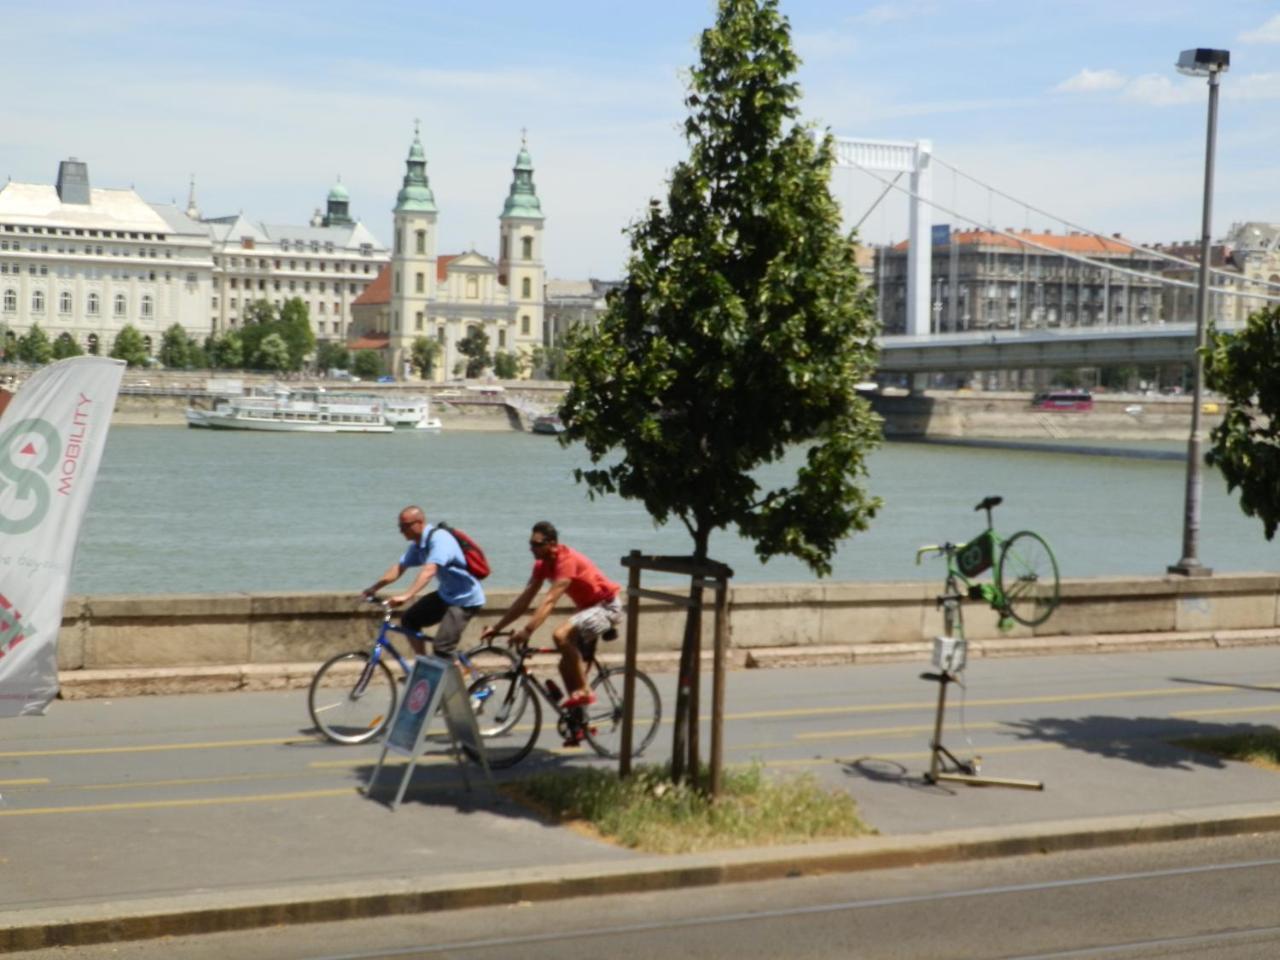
509	717
352	699
604	717
1028	578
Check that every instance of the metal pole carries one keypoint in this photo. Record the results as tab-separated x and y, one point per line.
629	676
1189	565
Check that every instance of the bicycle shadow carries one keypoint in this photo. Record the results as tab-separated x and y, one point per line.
1148	741
439	780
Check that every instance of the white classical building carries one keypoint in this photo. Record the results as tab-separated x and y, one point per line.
444	296
327	264
82	262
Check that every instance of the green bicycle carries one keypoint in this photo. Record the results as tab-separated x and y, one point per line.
1024	584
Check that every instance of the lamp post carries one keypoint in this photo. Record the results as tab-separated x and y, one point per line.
1200	62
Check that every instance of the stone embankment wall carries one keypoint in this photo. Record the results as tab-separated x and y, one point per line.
958	414
857	621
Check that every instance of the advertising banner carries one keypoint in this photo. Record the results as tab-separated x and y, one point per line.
52	434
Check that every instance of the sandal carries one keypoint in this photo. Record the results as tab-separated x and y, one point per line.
579	700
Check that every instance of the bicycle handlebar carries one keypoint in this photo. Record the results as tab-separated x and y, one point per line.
938	548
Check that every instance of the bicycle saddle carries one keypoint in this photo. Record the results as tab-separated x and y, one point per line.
988	503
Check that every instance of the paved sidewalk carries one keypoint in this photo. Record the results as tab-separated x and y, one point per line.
214	836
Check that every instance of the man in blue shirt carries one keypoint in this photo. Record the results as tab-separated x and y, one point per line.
456	599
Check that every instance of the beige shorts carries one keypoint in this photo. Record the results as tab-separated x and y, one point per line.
591	622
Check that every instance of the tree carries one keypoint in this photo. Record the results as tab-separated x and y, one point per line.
1245	368
174	351
273	354
332	356
197	359
475	347
739	333
226	352
294	326
130	347
423	355
35	347
258	322
65	346
367	364
508	365
549	362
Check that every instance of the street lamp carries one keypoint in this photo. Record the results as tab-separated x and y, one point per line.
1200	62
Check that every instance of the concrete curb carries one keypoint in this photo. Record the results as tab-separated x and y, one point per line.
144	681
242	909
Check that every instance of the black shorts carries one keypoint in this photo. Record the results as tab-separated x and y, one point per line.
431	610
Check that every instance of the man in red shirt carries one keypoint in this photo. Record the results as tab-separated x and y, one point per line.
593	594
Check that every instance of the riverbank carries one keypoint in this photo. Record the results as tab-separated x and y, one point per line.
934	414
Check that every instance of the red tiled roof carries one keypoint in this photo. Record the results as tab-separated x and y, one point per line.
1066	242
442	264
377	292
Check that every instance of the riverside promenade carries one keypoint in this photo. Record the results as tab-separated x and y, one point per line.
140	817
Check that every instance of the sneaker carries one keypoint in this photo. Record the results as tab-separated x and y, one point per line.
579	700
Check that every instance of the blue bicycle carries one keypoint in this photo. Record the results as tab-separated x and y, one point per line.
353	695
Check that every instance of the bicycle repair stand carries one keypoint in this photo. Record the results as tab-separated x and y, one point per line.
949	656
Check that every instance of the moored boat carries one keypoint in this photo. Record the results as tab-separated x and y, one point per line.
549	423
411	412
303	411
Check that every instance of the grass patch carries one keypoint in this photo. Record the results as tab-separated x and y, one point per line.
1258	747
648	812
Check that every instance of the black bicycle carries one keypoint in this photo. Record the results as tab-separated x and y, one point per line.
508	709
353	695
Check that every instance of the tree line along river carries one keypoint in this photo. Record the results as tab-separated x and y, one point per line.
193	511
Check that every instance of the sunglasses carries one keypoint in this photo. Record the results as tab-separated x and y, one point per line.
539	543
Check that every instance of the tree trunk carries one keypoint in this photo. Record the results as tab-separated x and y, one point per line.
684	736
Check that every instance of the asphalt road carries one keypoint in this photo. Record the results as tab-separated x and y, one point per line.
1212	900
162	795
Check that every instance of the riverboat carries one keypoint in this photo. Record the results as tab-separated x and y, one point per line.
410	412
547	424
302	411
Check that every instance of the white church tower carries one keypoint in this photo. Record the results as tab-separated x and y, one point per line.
413	258
520	257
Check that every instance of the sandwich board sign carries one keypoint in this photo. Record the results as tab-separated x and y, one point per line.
433	682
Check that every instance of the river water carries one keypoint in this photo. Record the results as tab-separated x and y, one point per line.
195	511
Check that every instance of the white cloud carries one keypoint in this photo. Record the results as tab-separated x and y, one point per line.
1253	86
1269	32
1158	90
1092	81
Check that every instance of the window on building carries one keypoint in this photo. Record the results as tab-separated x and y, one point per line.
420	241
419	283
524	325
64	301
397	276
502	337
122	305
473	287
417	321
92	305
148	305
10	300
526	248
526	288
37	301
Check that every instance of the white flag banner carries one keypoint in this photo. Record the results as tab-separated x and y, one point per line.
52	435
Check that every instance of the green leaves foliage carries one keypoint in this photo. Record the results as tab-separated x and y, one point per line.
1245	368
130	347
743	324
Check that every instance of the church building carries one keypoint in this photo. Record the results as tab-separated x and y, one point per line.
425	293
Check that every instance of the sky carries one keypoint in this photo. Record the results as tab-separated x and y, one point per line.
1071	106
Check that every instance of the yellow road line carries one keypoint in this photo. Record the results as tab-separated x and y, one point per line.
152	748
888	731
989	702
32	781
1224	711
176	804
